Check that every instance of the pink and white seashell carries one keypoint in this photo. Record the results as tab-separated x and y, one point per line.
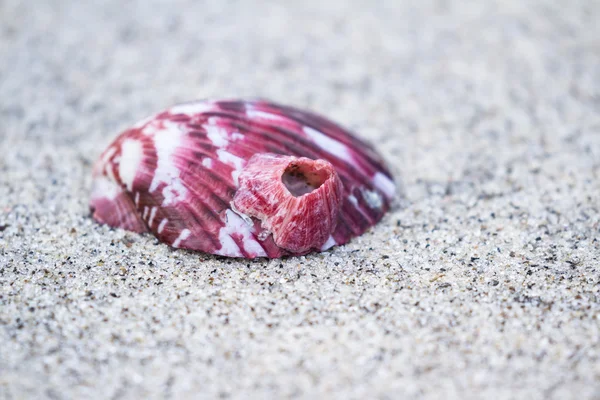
241	179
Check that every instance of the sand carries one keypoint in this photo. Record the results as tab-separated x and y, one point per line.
483	283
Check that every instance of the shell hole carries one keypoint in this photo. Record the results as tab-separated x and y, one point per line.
302	178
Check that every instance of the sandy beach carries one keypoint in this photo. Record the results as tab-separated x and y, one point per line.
483	282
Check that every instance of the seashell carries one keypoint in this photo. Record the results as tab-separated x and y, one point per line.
241	179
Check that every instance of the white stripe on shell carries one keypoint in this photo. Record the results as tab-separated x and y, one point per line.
384	184
252	113
373	198
173	193
182	236
234	161
104	188
192	108
330	145
329	243
132	154
354	202
162	224
166	142
216	134
235	224
152	215
207	162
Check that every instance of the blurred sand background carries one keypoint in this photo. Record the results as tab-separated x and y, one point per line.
484	284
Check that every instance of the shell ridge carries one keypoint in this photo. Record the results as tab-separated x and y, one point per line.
219	178
200	235
120	206
333	129
198	210
329	128
353	141
198	174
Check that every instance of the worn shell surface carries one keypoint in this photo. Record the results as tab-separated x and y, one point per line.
241	179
